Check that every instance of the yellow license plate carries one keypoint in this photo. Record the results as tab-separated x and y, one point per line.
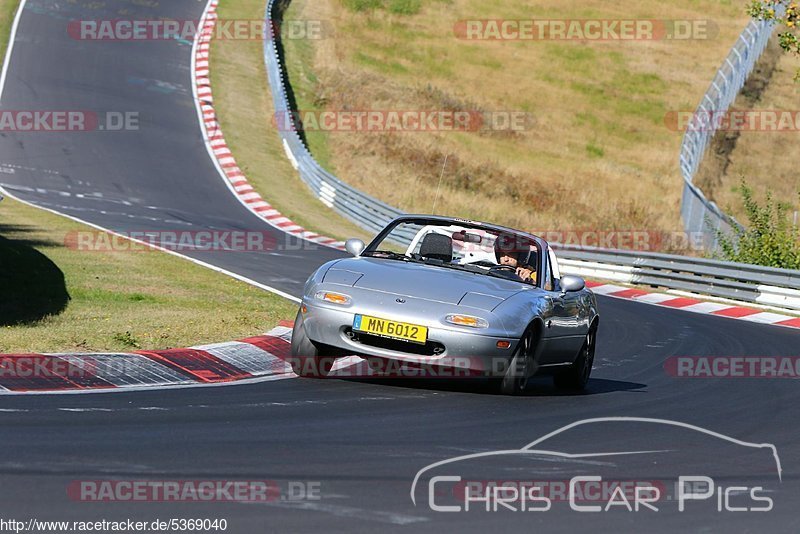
392	329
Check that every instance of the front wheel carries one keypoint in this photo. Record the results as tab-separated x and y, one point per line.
516	376
306	360
576	377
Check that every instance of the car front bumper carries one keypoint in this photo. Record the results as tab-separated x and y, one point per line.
456	347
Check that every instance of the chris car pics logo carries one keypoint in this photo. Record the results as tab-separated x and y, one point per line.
448	488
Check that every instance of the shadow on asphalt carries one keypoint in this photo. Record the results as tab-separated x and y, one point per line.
31	285
537	386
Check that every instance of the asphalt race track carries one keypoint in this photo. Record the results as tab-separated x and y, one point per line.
157	178
355	445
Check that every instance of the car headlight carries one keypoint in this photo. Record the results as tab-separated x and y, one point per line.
335	298
467	320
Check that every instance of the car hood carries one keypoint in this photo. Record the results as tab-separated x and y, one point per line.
420	281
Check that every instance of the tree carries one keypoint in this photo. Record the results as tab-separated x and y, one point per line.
769	240
785	12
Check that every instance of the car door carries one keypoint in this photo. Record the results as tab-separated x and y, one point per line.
564	324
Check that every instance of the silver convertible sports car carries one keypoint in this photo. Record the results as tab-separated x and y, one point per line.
441	291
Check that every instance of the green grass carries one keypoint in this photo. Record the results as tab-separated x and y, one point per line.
594	150
56	298
405	7
7	10
391	67
363	5
576	56
398	7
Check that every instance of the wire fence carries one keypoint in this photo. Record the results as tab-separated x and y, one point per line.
699	214
363	209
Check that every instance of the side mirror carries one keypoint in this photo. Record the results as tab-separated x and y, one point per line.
570	284
354	246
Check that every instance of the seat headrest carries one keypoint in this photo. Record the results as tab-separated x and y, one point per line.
437	247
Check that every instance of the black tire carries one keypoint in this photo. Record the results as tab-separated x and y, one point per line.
515	379
306	360
576	377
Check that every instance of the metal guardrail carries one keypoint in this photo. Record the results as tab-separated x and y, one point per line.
366	211
766	286
750	283
699	214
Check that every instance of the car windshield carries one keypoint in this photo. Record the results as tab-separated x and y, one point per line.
471	248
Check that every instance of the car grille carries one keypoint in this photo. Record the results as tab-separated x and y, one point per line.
431	348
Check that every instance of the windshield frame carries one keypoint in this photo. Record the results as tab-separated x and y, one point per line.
435	220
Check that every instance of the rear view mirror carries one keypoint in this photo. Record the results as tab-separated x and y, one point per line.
467	237
354	246
571	283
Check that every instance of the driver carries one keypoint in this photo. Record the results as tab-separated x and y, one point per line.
508	250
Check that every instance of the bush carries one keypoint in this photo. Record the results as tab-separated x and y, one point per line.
770	238
790	20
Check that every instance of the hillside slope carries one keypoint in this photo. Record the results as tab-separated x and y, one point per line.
596	151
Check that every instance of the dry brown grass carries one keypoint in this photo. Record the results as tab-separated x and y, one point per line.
599	154
767	160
